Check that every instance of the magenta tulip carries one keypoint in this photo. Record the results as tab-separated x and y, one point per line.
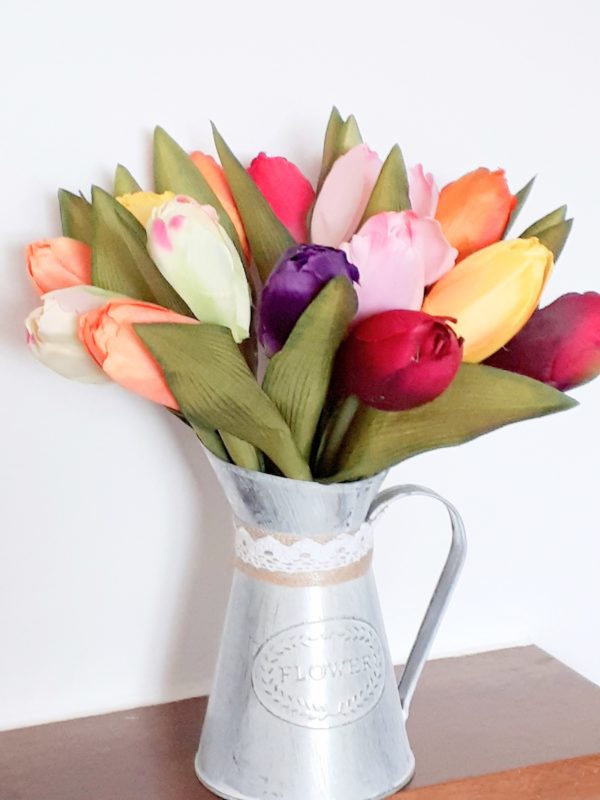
398	360
286	190
560	345
397	254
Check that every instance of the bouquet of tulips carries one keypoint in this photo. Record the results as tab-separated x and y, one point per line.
316	333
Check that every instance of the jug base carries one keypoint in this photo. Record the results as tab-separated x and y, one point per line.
228	794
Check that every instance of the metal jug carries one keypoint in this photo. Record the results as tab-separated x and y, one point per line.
304	703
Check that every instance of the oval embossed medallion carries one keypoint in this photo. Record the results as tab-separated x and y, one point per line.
321	674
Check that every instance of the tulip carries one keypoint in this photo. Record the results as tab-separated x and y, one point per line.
397	255
492	294
197	257
474	210
110	338
296	280
398	360
52	332
344	196
560	345
286	190
214	175
58	263
422	191
141	204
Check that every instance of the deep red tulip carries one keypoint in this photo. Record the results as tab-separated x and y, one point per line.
560	345
287	191
398	360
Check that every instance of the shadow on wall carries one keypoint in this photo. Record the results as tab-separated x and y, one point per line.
205	579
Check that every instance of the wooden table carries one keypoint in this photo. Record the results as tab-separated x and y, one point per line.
507	725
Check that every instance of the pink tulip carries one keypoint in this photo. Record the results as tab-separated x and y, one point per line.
344	196
397	254
286	190
422	191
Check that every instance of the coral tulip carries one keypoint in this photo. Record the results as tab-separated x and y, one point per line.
109	337
398	360
560	345
397	255
287	191
474	210
214	175
141	204
344	196
492	294
58	263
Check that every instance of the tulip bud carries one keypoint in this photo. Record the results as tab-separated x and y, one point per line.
344	196
110	338
141	204
286	190
197	257
492	294
560	345
397	255
58	263
293	284
474	210
214	175
422	191
52	332
398	360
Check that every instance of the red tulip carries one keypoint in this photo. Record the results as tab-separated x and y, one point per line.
398	360
560	345
286	190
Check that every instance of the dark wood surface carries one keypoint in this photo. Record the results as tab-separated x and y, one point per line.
490	714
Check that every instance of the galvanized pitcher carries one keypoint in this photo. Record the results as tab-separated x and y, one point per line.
304	703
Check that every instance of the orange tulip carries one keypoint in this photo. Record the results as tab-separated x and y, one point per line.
214	175
109	337
474	210
58	263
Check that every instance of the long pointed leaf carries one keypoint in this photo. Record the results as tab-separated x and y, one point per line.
175	171
555	237
479	400
125	183
268	237
340	136
120	261
548	221
390	193
297	378
213	385
75	216
521	196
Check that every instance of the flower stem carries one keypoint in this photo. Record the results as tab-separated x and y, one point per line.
334	434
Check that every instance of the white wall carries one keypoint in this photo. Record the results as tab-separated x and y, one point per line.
115	546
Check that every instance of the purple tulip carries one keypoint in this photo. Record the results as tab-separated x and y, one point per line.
560	345
296	280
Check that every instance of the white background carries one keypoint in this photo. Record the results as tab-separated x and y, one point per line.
115	545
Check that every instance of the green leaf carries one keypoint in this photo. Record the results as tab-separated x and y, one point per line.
390	193
213	386
551	219
341	135
267	236
521	196
243	454
555	237
120	261
75	216
125	183
298	376
174	171
479	400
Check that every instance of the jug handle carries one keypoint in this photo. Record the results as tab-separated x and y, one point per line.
441	594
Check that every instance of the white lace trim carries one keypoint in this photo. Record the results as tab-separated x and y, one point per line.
303	555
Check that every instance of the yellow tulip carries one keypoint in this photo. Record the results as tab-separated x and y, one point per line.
492	293
140	204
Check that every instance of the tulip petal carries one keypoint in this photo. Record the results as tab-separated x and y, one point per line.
287	191
423	192
58	263
344	196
